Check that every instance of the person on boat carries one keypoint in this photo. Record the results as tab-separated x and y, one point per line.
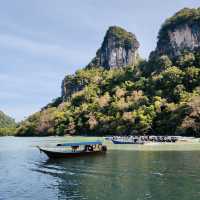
88	148
74	148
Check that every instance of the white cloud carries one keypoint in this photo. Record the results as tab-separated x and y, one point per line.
41	49
12	41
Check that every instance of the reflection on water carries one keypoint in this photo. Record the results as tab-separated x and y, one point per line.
137	175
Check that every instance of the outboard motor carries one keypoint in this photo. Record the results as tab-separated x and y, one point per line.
104	148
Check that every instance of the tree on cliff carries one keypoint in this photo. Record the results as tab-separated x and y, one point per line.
118	93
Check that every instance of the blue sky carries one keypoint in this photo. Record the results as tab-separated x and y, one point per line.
43	40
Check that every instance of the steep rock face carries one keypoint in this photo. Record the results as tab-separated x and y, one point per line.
119	49
182	38
185	37
179	33
70	86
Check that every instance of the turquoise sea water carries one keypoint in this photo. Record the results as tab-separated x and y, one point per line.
122	174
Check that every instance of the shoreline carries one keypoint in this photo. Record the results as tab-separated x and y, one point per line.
187	144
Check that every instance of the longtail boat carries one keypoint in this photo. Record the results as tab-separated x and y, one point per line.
127	141
77	149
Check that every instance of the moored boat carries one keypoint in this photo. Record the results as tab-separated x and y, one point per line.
77	149
134	141
127	142
143	139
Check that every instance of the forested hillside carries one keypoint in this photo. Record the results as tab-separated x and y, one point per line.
7	125
158	96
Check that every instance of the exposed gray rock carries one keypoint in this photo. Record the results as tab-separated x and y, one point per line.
182	38
69	86
179	33
119	49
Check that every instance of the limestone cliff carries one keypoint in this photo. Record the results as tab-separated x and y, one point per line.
69	86
153	97
119	49
179	33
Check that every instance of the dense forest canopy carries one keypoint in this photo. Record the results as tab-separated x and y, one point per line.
160	96
121	37
7	125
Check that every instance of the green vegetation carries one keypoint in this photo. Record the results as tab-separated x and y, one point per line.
120	33
126	101
160	96
7	125
8	131
122	37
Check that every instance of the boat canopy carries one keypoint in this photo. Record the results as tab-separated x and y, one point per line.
81	143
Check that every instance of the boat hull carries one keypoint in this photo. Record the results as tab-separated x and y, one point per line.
52	154
125	142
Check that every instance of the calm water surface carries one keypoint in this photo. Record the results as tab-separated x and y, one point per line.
119	175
